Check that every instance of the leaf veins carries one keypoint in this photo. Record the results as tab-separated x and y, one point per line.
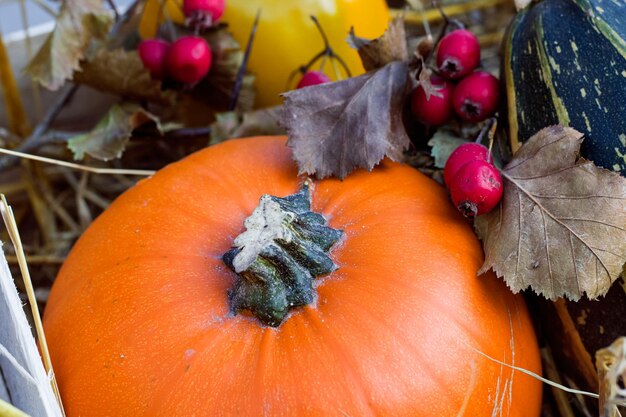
335	128
561	225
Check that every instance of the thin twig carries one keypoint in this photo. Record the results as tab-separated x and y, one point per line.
128	14
37	259
244	64
538	377
42	126
54	111
184	133
43	6
90	195
95	170
114	8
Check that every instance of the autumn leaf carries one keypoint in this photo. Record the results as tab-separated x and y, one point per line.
253	123
389	47
109	138
561	225
429	88
443	143
122	73
335	128
78	22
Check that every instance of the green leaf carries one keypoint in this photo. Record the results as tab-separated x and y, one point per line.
79	22
109	138
443	143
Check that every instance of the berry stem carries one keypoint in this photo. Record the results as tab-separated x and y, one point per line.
323	54
486	128
492	131
276	269
437	5
244	63
327	47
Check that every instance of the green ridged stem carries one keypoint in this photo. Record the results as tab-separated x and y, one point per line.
285	246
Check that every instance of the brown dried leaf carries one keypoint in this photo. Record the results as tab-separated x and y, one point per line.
253	123
611	366
109	138
78	23
561	225
335	128
389	47
427	85
122	73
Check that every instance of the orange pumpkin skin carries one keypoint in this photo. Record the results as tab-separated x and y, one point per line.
138	321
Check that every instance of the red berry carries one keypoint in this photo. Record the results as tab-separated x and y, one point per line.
476	188
462	155
475	98
214	9
458	54
189	59
436	110
152	53
313	78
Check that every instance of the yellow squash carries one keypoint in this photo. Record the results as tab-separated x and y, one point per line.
286	37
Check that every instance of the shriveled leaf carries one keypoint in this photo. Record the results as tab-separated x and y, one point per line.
443	143
122	73
217	87
561	225
389	47
109	138
611	366
254	123
428	87
78	23
335	128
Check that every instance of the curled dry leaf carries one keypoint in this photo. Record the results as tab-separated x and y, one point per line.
253	123
611	366
335	128
428	87
109	138
561	225
389	47
78	23
122	73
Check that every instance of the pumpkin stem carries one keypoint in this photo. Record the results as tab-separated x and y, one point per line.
285	246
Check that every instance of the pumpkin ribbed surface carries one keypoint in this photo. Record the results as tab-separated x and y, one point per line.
138	321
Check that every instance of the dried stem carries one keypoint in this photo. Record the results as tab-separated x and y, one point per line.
244	64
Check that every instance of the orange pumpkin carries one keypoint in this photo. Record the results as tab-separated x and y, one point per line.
139	322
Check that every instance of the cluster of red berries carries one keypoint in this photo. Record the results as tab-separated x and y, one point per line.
474	98
474	182
188	59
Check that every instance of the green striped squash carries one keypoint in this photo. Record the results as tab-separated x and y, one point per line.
565	62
